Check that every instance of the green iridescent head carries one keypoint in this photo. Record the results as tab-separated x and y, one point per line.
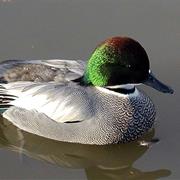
116	61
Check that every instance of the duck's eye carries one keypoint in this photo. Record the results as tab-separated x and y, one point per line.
128	66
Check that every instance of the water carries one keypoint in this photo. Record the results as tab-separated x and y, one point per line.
71	29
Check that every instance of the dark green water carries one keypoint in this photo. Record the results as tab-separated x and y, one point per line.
71	29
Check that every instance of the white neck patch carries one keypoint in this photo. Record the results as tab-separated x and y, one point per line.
107	91
122	86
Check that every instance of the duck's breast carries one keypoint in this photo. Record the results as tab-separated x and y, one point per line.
127	116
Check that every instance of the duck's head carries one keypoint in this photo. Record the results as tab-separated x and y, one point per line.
120	61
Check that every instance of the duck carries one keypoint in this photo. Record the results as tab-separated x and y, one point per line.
95	102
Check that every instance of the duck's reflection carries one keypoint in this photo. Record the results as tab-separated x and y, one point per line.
99	162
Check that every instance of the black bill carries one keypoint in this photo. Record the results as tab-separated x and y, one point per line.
156	84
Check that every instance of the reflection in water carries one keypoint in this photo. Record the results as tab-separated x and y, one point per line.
99	162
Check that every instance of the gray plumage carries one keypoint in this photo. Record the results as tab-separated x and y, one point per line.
41	70
103	118
65	111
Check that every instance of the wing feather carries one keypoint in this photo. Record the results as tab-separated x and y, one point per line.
61	102
58	70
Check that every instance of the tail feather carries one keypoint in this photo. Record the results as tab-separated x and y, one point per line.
5	99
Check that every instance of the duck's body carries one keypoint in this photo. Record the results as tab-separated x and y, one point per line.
92	115
74	109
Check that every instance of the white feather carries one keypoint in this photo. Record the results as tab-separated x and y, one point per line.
62	106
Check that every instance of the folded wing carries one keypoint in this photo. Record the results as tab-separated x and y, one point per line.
58	70
61	102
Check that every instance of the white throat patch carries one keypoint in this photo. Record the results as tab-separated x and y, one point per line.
108	91
122	86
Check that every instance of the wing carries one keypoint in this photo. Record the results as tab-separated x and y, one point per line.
58	70
61	102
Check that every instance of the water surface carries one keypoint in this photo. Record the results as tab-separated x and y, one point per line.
71	29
